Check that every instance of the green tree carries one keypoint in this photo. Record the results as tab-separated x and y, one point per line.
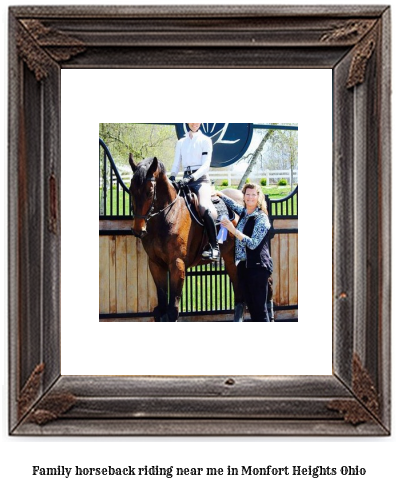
289	142
141	139
255	156
282	151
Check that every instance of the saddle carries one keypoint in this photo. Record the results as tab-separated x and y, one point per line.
192	204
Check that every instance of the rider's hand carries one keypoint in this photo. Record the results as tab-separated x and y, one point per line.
186	181
172	178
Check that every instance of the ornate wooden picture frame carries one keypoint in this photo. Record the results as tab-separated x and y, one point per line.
352	41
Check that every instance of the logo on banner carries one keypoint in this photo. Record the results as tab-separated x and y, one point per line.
230	140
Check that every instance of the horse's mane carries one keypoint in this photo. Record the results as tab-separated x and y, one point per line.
142	169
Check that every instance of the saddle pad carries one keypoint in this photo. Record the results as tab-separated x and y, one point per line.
222	209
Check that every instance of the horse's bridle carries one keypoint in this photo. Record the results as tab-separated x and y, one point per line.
147	217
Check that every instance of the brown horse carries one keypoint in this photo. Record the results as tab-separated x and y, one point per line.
172	239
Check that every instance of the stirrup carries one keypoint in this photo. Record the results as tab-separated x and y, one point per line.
206	252
211	253
215	255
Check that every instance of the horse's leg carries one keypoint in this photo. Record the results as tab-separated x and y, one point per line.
160	276
239	304
177	270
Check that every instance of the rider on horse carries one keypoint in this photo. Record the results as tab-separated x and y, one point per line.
194	151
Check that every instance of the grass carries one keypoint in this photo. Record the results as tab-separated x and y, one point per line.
123	203
275	192
207	293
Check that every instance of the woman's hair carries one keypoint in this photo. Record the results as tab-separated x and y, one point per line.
261	197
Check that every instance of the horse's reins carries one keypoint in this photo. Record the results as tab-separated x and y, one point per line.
190	210
147	217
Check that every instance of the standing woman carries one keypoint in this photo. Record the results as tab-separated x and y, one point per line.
254	264
194	151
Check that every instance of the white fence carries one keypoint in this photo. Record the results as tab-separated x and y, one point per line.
271	176
233	177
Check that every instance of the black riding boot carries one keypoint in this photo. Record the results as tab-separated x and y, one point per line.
213	252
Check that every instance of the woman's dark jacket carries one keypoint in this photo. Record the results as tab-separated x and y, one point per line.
259	257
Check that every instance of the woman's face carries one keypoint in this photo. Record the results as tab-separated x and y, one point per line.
251	198
194	127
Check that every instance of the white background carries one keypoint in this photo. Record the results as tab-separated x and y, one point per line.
302	348
377	455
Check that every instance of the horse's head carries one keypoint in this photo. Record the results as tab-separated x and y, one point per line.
143	193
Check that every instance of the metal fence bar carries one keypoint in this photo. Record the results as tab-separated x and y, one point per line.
112	193
117	198
114	176
105	190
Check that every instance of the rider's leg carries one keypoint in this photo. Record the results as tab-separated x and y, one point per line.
213	252
208	214
205	197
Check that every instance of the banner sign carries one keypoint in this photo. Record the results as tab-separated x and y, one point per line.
230	140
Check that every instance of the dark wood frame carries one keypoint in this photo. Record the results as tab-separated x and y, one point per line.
353	41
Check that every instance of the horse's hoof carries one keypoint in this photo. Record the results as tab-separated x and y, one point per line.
156	314
239	312
173	314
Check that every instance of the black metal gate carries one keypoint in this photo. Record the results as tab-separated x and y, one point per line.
207	289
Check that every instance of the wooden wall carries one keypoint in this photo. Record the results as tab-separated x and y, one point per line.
284	251
126	284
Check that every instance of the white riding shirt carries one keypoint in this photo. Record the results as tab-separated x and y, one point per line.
195	152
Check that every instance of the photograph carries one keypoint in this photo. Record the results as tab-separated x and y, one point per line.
165	190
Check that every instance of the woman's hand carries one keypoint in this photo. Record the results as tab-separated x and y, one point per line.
227	224
218	193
